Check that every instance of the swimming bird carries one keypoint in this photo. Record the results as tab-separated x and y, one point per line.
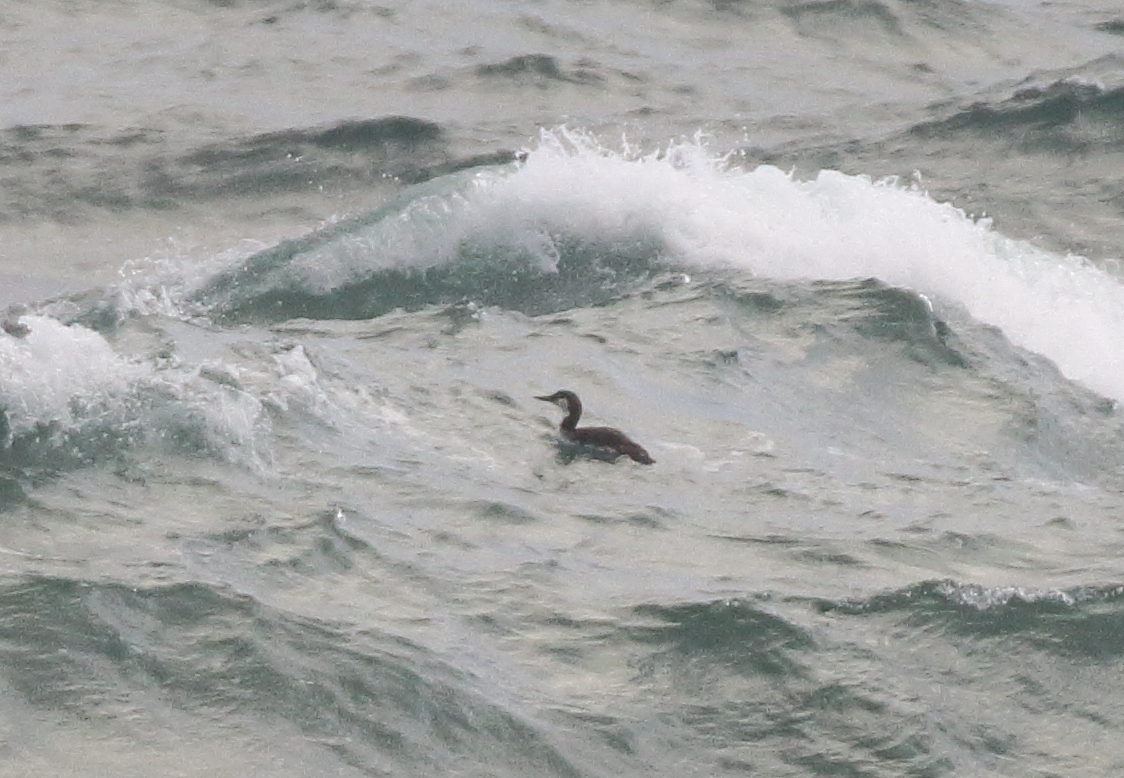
599	437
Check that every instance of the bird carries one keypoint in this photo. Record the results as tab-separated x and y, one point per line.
598	437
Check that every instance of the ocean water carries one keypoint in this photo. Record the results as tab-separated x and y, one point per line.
282	279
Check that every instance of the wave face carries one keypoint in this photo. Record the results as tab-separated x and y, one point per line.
478	236
576	224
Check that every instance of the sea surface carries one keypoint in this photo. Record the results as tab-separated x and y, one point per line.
280	281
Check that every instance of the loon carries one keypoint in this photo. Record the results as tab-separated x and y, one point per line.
600	437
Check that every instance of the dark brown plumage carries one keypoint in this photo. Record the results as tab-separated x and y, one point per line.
600	437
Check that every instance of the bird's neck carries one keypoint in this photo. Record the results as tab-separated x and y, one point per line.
571	421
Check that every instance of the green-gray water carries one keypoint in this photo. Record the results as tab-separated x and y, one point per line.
287	506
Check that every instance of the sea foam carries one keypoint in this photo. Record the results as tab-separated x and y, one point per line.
59	374
689	207
712	214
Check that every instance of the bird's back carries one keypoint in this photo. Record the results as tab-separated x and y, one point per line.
607	437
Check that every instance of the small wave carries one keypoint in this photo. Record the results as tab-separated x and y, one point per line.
972	597
827	18
66	398
59	373
868	308
389	705
63	170
1082	621
734	633
537	69
69	400
744	674
1043	117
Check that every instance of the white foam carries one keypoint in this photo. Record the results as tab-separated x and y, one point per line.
834	227
708	214
59	374
63	377
162	284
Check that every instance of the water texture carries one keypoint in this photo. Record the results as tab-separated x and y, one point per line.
282	280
